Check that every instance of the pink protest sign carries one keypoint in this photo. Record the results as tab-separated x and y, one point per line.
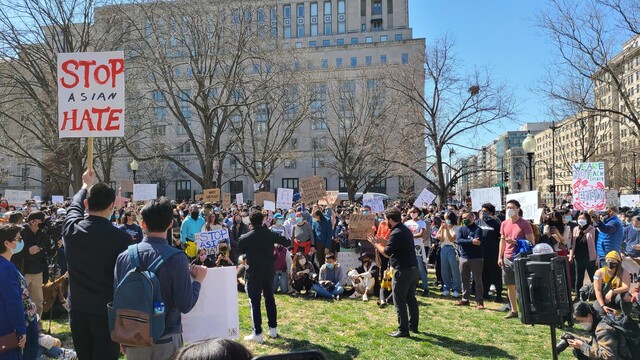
589	186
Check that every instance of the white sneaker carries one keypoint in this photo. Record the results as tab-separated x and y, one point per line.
255	338
456	294
353	296
273	332
69	355
365	297
445	293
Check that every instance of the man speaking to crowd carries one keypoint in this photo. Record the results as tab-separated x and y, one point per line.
92	246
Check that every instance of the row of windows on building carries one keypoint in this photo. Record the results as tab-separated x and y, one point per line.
352	41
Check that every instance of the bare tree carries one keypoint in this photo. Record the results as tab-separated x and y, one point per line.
455	106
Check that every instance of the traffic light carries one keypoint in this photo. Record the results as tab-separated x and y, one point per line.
506	176
468	193
552	189
506	190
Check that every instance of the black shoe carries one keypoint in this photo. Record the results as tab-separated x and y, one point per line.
425	293
399	334
414	330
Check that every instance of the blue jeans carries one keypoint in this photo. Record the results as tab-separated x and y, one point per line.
53	353
280	278
423	273
326	293
450	269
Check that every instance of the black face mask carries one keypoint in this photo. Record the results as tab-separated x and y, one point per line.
612	265
195	215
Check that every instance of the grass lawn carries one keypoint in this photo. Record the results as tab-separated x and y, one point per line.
349	329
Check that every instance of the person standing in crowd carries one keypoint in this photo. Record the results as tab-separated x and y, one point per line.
323	234
130	227
289	223
179	293
213	222
258	247
330	279
303	235
280	254
17	313
514	228
632	238
447	234
491	272
190	227
418	228
609	234
238	228
471	260
583	250
92	246
402	257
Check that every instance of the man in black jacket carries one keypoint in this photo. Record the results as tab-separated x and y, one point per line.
258	247
92	246
31	261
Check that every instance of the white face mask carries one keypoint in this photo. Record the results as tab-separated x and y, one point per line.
511	213
582	222
586	325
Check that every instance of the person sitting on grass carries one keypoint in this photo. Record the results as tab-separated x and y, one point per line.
223	258
302	273
329	281
51	348
611	284
365	277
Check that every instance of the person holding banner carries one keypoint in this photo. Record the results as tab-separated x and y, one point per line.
258	247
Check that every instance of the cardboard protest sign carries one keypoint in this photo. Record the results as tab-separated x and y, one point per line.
142	192
239	199
284	200
91	94
215	315
528	201
262	196
374	202
426	197
269	205
126	186
588	186
17	197
630	201
226	200
211	195
57	199
486	195
312	189
361	226
199	197
612	198
331	197
348	261
209	240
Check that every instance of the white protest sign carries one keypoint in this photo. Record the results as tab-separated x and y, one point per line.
612	198
142	192
633	268
284	198
588	186
486	195
91	94
17	197
426	198
348	261
629	200
215	315
239	199
528	201
269	205
37	199
374	202
257	186
209	240
57	199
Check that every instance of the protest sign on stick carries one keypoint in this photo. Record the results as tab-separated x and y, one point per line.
284	199
142	192
17	197
331	197
211	195
269	205
57	199
226	200
209	240
374	202
612	198
361	226
312	189
528	201
631	201
426	197
262	196
239	199
589	186
486	195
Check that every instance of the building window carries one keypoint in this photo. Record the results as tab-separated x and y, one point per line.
340	42
398	37
235	187
290	164
326	42
262	118
384	38
291	183
298	45
325	63
342	22
354	41
234	164
342	186
157	95
368	60
312	43
327	18
314	19
389	6
368	39
319	124
379	187
376	9
383	59
274	22
405	58
376	25
339	62
318	144
292	144
406	184
181	130
354	62
185	148
287	21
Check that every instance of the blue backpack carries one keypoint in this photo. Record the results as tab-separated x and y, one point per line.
136	315
523	246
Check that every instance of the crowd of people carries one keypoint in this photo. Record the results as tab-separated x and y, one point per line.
294	251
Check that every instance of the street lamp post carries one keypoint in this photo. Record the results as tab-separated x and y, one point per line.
134	169
529	147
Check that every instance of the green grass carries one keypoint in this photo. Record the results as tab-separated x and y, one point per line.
350	329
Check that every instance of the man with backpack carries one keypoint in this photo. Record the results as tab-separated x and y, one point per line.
611	337
169	267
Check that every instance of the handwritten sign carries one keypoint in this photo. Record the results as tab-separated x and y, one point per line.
269	205
374	202
528	201
239	199
612	198
211	195
284	198
312	189
426	197
630	201
199	197
226	200
142	192
209	240
486	195
57	199
348	261
361	226
588	186
17	197
262	196
91	94
331	197
126	185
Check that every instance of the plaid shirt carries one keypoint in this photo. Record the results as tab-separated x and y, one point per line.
606	344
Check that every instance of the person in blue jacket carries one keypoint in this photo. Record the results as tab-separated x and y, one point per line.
323	232
610	233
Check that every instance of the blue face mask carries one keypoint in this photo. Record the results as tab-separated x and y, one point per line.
329	265
365	213
279	222
117	216
298	220
19	247
636	228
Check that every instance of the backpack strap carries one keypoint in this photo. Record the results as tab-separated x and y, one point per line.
133	255
165	254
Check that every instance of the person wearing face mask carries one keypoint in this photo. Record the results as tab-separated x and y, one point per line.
190	227
365	277
238	229
280	279
447	234
609	234
277	225
631	238
329	279
301	274
203	259
342	234
605	343
611	285
289	223
323	234
583	250
491	272
418	228
303	235
130	227
469	239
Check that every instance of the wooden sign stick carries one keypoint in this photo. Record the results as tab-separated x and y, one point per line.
90	153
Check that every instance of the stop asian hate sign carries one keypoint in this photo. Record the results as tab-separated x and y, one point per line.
91	94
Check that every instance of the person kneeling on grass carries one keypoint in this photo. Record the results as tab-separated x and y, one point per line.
51	348
302	273
329	281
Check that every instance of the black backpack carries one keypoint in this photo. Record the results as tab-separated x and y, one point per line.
629	329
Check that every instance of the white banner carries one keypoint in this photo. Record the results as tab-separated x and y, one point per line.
57	199
143	192
375	202
239	199
284	199
612	198
91	94
486	195
630	201
348	261
209	240
17	197
215	315
269	205
426	197
528	201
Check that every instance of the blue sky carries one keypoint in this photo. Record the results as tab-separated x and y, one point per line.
499	34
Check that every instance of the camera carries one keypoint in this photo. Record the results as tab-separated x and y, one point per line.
564	344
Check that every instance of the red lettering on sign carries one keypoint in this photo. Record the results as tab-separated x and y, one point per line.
94	119
101	74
